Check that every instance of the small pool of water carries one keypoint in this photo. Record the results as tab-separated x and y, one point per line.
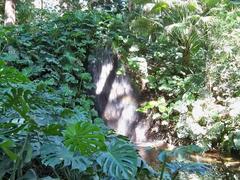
223	167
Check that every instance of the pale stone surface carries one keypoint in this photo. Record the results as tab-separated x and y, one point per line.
46	4
10	15
195	127
234	108
148	7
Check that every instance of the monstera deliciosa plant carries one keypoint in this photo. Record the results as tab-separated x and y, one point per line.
73	149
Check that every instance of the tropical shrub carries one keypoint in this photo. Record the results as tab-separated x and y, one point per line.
215	115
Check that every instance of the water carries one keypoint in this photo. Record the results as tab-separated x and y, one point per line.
223	166
116	100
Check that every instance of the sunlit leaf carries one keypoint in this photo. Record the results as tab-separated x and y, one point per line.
84	137
6	145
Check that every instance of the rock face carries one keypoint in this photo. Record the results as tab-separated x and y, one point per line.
115	98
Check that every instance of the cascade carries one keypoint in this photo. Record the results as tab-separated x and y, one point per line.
116	99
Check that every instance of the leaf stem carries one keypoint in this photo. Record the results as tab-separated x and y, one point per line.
162	171
18	161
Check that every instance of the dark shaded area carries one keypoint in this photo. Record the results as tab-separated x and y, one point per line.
95	67
116	103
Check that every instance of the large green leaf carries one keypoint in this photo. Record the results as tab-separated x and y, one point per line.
53	155
158	7
84	137
29	175
17	100
181	153
236	139
211	3
143	165
5	146
192	167
120	161
142	1
11	75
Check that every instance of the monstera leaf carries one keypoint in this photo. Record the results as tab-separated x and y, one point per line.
211	3
84	137
182	163
5	146
11	75
53	155
236	139
181	153
120	161
191	167
142	164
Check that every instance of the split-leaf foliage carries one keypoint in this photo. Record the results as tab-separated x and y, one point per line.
47	116
184	56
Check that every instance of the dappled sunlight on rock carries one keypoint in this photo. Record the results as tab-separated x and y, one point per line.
10	7
115	98
120	87
234	107
195	127
106	69
206	108
50	5
141	131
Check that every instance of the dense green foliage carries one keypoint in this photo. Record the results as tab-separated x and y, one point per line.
46	114
192	54
183	55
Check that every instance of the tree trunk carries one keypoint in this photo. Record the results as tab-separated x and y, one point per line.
186	55
130	5
10	12
42	4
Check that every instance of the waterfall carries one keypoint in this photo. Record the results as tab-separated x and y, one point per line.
116	99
